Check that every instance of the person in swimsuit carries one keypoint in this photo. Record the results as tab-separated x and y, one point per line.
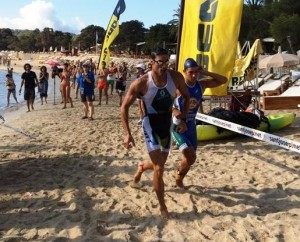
121	82
157	89
65	76
112	72
11	88
102	82
187	141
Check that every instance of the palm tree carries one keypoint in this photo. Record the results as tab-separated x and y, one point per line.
175	22
254	4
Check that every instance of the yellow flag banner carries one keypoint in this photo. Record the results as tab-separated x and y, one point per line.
112	32
209	34
245	67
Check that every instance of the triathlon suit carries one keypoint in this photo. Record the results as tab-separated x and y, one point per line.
158	103
189	137
65	79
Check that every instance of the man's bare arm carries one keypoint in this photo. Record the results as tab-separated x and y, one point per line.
215	80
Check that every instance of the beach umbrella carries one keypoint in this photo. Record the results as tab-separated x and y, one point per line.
53	63
279	60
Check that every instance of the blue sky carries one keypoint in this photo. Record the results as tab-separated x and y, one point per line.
74	15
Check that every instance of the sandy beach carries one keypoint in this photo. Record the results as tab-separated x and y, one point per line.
71	183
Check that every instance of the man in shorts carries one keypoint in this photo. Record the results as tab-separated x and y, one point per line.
157	89
86	83
102	84
112	72
30	81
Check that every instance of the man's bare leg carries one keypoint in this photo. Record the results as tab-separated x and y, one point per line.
141	168
158	159
189	158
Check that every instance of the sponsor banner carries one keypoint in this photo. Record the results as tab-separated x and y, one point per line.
256	134
209	34
111	32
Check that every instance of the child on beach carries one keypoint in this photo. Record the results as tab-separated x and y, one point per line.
11	88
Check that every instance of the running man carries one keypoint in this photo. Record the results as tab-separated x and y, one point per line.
187	141
157	89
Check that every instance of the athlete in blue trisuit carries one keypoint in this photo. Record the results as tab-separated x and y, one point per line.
187	141
157	90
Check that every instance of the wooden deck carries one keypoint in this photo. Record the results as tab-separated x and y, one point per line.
280	102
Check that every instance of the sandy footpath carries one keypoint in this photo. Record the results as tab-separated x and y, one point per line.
71	184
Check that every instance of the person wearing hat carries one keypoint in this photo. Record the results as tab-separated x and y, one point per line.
30	82
86	83
157	89
187	141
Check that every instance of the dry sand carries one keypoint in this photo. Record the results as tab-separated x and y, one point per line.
71	184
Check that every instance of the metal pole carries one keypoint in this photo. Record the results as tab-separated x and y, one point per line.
54	92
182	4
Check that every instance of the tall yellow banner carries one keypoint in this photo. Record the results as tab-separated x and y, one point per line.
111	32
209	34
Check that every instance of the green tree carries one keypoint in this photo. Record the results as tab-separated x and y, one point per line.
254	4
47	38
286	31
62	39
174	23
87	37
131	32
26	42
6	38
158	36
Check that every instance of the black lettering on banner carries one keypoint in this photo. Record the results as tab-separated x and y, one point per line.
111	29
105	52
207	14
236	81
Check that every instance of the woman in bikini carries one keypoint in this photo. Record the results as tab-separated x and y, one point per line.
65	85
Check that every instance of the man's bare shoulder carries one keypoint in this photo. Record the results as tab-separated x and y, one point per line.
176	75
140	83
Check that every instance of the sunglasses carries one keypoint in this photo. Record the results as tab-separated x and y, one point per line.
160	62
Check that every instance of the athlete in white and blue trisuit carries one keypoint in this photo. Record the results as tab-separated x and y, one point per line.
157	90
197	80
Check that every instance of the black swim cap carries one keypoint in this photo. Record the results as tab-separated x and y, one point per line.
189	63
